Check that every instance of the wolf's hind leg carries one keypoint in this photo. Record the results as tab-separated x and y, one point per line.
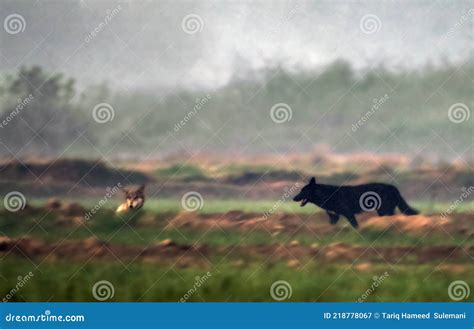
351	218
386	212
333	217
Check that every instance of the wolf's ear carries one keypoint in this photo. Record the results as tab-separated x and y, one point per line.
312	181
141	188
125	190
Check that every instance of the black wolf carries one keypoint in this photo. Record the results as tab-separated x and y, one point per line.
350	200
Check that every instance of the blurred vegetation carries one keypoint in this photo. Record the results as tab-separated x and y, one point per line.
325	105
168	206
150	225
182	172
236	276
49	122
72	281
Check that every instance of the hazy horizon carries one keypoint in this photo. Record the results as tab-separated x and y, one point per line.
143	44
224	76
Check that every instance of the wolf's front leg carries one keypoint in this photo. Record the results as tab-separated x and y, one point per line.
333	217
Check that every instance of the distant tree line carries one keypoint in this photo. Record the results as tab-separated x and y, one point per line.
43	113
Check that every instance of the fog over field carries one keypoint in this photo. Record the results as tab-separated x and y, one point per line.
328	63
144	45
228	150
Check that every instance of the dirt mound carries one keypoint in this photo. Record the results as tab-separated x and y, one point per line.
340	250
69	214
85	172
252	177
237	220
318	223
26	246
349	253
363	267
53	204
404	223
226	221
73	209
5	243
453	268
293	253
92	248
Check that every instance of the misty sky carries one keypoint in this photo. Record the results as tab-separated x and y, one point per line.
144	44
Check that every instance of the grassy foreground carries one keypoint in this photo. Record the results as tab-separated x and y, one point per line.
65	281
238	276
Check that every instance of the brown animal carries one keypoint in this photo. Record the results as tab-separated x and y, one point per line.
134	199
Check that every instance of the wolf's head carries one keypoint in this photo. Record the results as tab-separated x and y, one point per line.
135	197
306	193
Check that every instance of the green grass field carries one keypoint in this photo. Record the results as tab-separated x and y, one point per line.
216	206
235	276
129	230
66	281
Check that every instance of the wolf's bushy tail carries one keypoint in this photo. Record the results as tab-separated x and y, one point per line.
404	207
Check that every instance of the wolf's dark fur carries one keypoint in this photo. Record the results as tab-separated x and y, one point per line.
348	200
